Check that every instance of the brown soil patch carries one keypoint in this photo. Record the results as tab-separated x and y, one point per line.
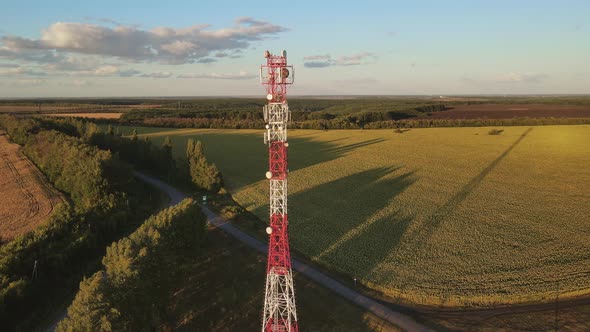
72	108
27	198
33	108
89	115
508	111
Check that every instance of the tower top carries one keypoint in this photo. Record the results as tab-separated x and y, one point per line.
276	75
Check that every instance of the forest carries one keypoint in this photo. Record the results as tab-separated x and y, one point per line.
104	201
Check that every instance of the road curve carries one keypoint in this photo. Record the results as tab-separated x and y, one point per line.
400	320
175	195
175	198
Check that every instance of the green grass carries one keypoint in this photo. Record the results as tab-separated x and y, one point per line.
440	216
228	287
558	318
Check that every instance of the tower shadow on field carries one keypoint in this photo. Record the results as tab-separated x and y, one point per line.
343	224
432	223
243	158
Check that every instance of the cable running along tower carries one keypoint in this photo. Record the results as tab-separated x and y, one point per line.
280	314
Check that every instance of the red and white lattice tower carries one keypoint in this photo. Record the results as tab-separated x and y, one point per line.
279	300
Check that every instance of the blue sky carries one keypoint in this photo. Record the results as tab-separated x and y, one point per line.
199	48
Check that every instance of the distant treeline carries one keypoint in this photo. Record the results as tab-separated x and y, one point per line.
325	121
304	103
128	294
305	114
323	114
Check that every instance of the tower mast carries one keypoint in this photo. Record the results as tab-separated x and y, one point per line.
280	313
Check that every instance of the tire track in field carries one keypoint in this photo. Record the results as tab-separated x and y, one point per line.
33	203
31	198
53	197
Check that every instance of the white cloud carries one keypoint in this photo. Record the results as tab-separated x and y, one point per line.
29	82
355	59
73	63
206	60
522	78
242	75
129	72
163	74
179	47
20	71
162	45
317	57
108	70
109	21
322	61
81	83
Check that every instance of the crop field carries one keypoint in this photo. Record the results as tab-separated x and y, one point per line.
439	216
227	285
27	199
508	111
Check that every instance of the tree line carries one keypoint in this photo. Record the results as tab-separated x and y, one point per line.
194	172
323	114
127	294
102	201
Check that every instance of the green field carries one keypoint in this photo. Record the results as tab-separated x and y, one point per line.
440	216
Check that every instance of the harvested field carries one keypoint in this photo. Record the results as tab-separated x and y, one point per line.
27	198
35	108
509	111
89	115
82	108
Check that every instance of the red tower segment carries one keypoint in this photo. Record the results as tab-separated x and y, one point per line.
277	160
278	245
279	301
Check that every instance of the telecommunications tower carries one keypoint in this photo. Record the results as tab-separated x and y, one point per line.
280	314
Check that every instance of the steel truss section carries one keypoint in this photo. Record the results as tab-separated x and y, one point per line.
279	256
277	115
278	197
280	314
279	300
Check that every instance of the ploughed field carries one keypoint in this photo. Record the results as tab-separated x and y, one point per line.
27	198
509	111
70	108
438	216
88	115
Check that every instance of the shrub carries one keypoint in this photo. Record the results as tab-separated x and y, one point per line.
495	131
205	176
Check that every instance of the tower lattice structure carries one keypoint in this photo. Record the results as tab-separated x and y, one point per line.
280	314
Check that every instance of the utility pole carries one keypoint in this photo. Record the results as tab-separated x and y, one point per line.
34	276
